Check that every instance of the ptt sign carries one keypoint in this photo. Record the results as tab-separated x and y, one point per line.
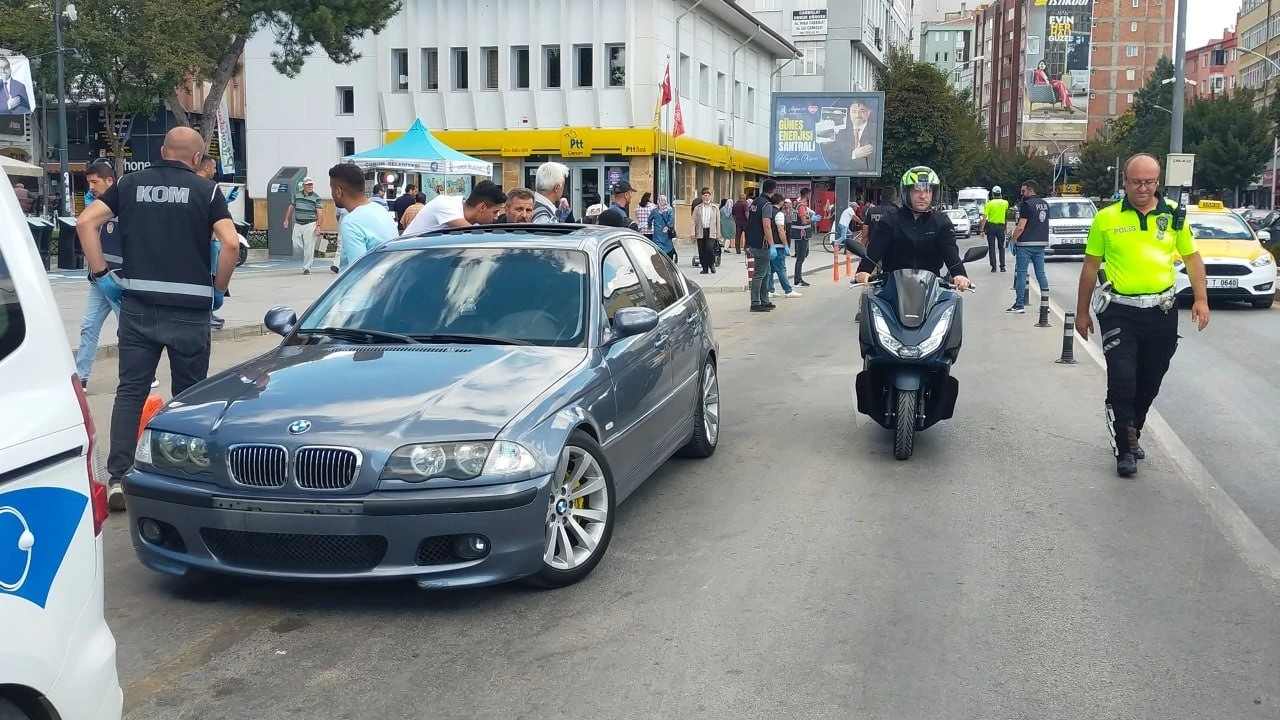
573	145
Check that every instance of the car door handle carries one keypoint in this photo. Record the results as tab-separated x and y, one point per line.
661	341
691	317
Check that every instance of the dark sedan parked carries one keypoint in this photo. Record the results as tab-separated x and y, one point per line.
462	408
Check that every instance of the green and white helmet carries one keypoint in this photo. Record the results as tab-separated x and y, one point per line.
922	177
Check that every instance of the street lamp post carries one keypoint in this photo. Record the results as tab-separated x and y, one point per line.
1275	139
64	173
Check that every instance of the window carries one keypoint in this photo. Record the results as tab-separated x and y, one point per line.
346	146
749	112
1219	57
704	84
1133	26
551	66
1131	51
346	100
617	55
460	76
532	295
722	91
1008	16
663	277
685	79
1130	74
430	69
620	283
582	66
520	67
1128	97
490	57
400	70
737	98
1137	3
813	58
13	324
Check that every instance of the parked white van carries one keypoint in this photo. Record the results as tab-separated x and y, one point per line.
57	655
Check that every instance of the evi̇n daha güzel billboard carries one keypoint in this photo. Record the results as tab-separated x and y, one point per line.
1055	97
837	134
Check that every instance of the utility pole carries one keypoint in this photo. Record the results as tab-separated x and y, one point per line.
1117	168
66	208
1179	78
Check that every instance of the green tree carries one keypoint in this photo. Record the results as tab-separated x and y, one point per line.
1096	172
1231	140
124	54
927	122
300	28
1020	166
1152	112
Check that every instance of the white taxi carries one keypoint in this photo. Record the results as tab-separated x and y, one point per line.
1236	264
57	655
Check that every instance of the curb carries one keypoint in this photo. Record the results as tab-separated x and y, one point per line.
746	287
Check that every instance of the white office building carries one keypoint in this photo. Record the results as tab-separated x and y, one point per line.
841	42
518	83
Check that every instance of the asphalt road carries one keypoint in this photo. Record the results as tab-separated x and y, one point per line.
1002	572
1221	395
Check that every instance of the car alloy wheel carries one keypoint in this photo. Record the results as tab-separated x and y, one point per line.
706	418
579	519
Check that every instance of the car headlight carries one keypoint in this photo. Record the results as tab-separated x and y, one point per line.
458	461
173	451
1262	260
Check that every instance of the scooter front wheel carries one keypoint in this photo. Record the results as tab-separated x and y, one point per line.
242	255
904	429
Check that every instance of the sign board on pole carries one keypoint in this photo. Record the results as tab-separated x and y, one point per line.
1179	170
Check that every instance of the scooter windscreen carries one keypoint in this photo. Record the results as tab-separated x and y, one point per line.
916	291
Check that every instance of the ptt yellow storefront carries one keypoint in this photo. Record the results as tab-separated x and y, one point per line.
599	157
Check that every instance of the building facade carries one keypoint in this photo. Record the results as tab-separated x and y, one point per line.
948	45
1129	37
521	83
1258	29
1213	67
998	32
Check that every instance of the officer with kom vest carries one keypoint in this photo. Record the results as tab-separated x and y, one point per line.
165	286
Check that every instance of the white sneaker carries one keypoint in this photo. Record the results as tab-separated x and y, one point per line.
155	383
795	293
115	498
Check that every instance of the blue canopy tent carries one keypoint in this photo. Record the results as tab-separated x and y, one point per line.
418	151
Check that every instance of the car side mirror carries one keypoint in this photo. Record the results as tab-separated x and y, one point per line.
1264	237
280	320
856	247
974	253
634	321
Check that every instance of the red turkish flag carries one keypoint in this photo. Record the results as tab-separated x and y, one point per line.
677	128
666	85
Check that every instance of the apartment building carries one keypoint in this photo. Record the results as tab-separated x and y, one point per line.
1258	46
998	30
1212	67
948	45
517	84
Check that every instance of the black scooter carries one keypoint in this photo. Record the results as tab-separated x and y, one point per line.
910	337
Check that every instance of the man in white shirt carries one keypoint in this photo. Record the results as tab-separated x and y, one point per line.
482	207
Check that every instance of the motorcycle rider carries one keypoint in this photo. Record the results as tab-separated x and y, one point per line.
915	236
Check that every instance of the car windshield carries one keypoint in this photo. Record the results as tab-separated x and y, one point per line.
531	296
1071	210
958	214
1219	226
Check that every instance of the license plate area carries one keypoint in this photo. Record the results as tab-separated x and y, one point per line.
1223	282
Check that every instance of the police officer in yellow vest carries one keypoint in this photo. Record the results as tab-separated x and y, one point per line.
993	226
1137	238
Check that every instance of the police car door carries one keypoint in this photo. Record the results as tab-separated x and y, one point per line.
50	511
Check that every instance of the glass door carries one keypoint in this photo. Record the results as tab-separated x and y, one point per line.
584	190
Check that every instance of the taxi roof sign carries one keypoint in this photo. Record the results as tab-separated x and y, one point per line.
1210	205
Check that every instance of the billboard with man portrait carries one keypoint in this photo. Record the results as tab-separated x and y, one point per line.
839	134
16	90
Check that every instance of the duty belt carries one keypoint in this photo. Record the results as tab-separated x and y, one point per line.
1106	295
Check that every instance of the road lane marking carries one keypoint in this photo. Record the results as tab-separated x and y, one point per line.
1258	552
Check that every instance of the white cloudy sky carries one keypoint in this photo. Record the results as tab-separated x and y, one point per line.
1207	18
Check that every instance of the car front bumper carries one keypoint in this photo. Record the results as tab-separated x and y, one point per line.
1231	279
407	534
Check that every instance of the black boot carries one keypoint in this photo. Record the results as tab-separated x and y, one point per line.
1126	465
1134	447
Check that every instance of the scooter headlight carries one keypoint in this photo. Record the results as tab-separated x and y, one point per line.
939	334
886	338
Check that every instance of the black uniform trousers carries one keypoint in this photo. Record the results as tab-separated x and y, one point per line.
707	251
144	331
1139	343
995	244
800	246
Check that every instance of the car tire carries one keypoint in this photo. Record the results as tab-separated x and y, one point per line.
563	514
706	414
9	711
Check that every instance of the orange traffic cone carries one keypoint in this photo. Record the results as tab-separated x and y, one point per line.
149	410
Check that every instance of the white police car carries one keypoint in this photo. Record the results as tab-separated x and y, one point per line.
57	655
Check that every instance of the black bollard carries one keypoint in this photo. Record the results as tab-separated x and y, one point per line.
1068	341
1044	310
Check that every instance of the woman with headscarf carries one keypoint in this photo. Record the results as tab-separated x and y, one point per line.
663	221
564	213
727	227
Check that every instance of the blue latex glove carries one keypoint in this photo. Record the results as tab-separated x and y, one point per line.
218	297
110	287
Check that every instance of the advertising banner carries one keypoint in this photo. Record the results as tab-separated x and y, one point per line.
16	88
837	134
1055	95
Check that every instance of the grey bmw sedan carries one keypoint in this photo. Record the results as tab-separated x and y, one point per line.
462	408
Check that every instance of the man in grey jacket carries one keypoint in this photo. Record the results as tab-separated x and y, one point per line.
548	187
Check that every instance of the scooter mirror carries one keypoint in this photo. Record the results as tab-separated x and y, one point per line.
974	254
856	247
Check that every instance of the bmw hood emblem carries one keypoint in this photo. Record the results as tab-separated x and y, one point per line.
297	427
